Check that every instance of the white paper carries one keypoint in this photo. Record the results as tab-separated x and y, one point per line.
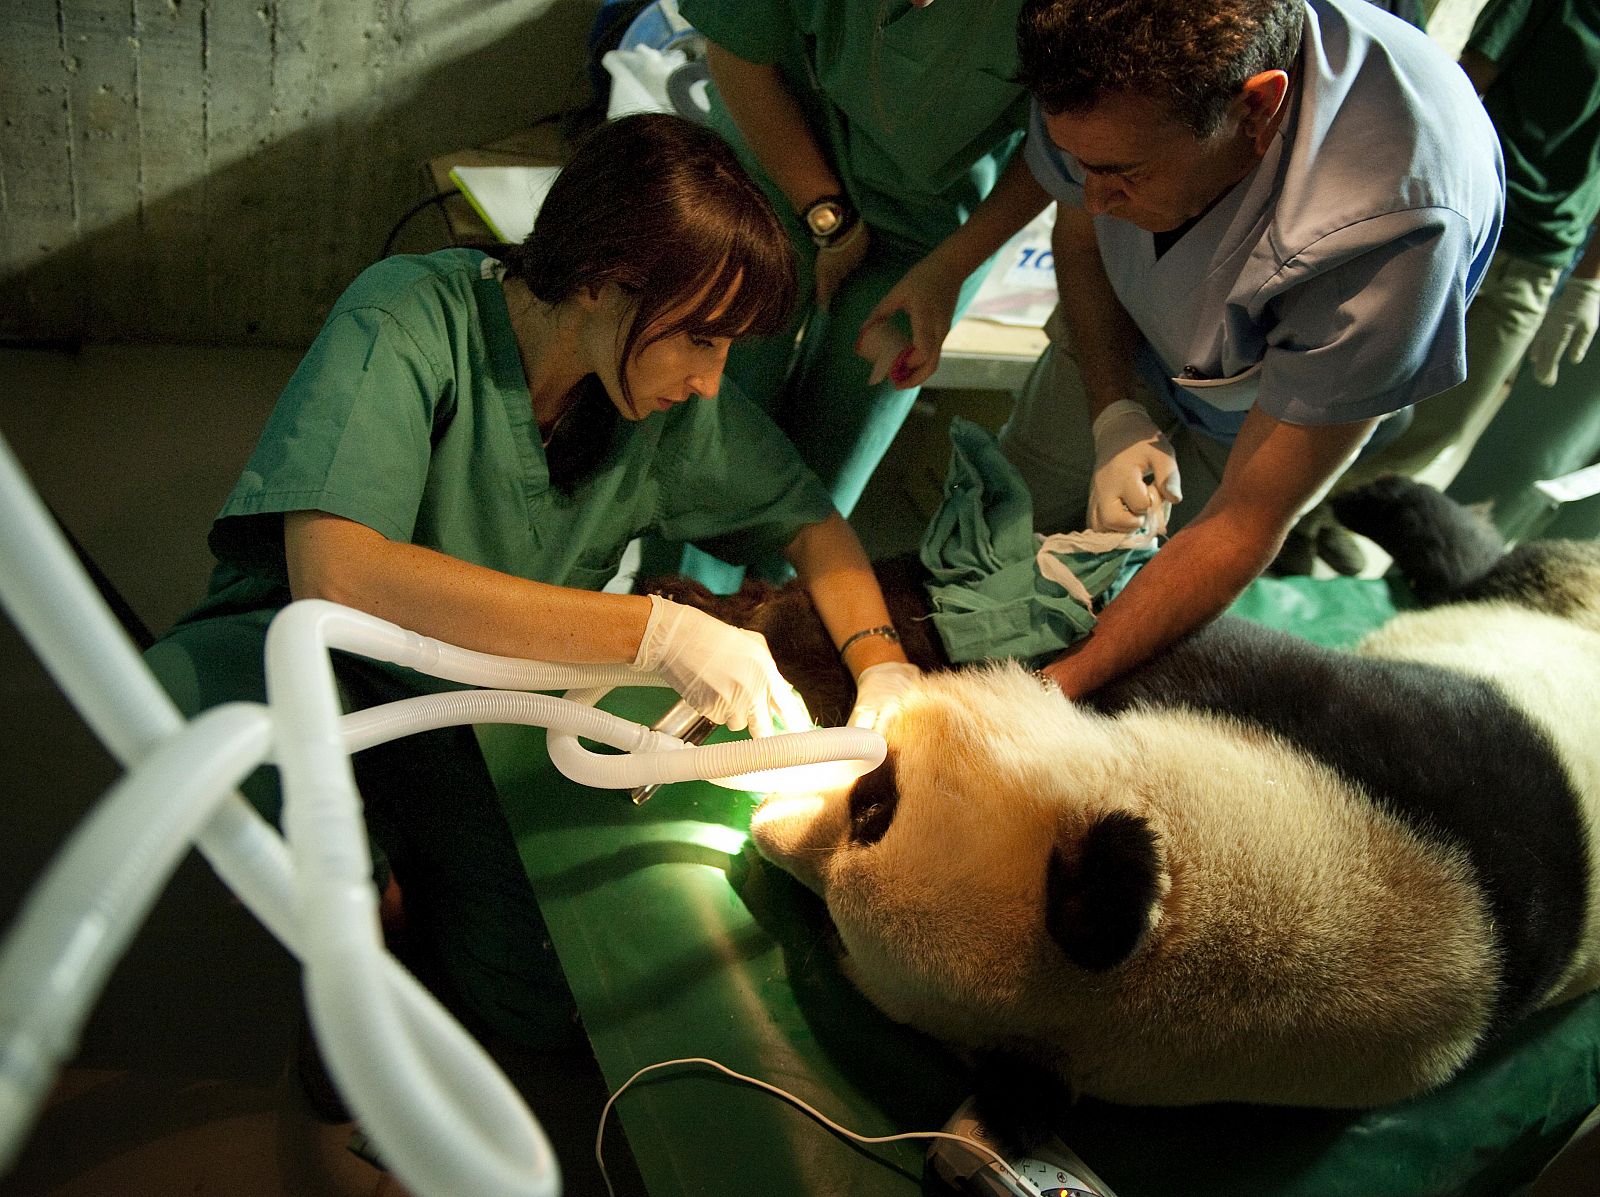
1569	488
507	197
1020	287
639	79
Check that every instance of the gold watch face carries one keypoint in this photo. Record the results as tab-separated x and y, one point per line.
824	218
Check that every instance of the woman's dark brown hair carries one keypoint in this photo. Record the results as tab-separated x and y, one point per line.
660	207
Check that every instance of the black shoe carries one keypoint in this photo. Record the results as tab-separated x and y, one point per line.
1319	536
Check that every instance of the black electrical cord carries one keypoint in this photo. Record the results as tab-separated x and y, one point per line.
573	116
138	631
439	198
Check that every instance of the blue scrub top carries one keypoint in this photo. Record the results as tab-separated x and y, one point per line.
1331	283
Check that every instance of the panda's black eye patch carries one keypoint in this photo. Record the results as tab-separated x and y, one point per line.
872	804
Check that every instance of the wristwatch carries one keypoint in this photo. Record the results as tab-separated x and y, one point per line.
828	218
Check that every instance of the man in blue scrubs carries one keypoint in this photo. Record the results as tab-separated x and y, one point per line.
1271	217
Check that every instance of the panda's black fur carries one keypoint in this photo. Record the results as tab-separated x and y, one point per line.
1372	719
1377	722
1432	745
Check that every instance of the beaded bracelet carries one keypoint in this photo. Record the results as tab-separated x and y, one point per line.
884	630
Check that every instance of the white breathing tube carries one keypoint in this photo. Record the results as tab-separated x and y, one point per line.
445	1118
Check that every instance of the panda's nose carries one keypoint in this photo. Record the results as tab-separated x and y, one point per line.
872	803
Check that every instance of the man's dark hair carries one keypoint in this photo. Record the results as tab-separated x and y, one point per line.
1191	57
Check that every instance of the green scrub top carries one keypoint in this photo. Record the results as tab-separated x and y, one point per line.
1545	104
410	414
918	106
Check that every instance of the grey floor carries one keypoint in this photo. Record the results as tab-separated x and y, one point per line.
182	1083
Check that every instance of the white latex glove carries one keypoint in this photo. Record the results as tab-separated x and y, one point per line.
1567	329
724	672
838	261
1135	472
879	692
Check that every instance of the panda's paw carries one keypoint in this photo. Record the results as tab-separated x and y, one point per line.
1020	1102
1438	546
1379	508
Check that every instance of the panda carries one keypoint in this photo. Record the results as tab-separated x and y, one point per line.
1254	870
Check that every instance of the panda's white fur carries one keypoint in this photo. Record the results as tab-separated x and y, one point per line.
1298	942
1278	882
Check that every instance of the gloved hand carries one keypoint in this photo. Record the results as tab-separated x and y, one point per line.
1135	472
880	690
838	261
724	672
1568	327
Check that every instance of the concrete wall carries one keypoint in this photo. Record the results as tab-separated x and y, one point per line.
217	170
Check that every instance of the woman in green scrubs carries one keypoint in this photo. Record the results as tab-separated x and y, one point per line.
880	129
467	449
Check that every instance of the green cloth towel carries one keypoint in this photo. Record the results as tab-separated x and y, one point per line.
989	598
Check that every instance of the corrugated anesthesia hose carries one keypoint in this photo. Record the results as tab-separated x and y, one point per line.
782	762
58	611
446	1119
431	1140
79	920
773	763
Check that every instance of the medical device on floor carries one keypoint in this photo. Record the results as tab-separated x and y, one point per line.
1052	1169
445	1118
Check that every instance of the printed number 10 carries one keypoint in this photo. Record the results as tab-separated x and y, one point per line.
1033	258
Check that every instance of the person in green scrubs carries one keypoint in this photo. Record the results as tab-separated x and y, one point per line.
466	450
878	128
1536	63
1549	426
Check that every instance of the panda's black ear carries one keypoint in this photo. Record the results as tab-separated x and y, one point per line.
1100	888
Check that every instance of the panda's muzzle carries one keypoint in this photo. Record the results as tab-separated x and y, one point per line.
873	800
